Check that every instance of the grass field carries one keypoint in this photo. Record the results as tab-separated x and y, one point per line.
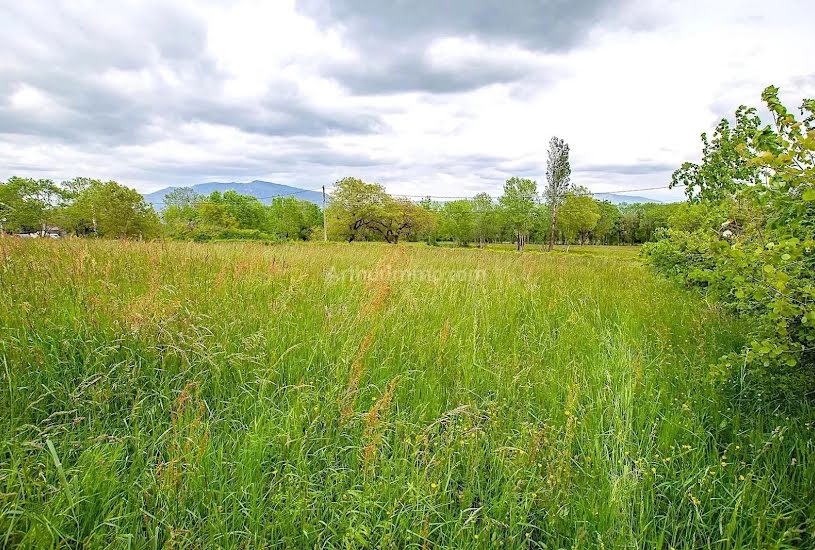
357	396
613	251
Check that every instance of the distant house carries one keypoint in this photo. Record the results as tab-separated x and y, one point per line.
49	231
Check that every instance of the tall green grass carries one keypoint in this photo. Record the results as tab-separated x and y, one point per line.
239	395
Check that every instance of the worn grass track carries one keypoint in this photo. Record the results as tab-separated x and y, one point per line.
354	396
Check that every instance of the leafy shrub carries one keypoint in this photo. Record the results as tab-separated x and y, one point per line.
760	262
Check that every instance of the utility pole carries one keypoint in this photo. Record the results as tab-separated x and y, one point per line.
325	230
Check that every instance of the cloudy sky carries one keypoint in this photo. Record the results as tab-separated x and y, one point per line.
424	96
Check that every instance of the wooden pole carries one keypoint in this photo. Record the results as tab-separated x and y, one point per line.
325	229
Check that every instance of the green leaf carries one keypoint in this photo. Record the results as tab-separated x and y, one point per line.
809	195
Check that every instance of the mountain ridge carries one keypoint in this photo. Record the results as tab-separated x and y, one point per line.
265	191
616	198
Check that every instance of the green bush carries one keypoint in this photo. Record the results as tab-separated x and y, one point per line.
760	262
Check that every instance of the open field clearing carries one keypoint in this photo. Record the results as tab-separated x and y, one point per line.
619	252
367	395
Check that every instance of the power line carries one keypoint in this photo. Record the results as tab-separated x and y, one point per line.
636	190
462	197
617	192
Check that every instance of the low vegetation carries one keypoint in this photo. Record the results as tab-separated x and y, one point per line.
369	395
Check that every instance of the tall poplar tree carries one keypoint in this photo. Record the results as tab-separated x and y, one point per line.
558	173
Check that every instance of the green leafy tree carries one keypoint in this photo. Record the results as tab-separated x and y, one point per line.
401	219
456	221
486	219
114	211
726	160
29	205
609	218
558	178
180	213
248	211
360	211
354	206
429	233
653	217
579	214
79	216
214	214
293	219
182	197
72	189
542	220
698	216
518	207
629	225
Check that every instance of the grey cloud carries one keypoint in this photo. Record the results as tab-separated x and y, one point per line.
412	74
463	164
392	37
65	53
88	111
637	168
294	117
75	37
303	155
540	25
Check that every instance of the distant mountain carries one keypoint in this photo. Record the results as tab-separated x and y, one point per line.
263	190
621	199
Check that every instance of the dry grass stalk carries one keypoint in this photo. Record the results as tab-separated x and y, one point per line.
373	420
357	369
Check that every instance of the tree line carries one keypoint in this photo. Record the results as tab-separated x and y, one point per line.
81	206
357	211
231	215
87	207
560	212
361	211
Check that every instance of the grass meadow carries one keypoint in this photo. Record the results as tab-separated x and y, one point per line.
240	395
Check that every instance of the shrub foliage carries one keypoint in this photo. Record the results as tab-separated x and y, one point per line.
753	244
